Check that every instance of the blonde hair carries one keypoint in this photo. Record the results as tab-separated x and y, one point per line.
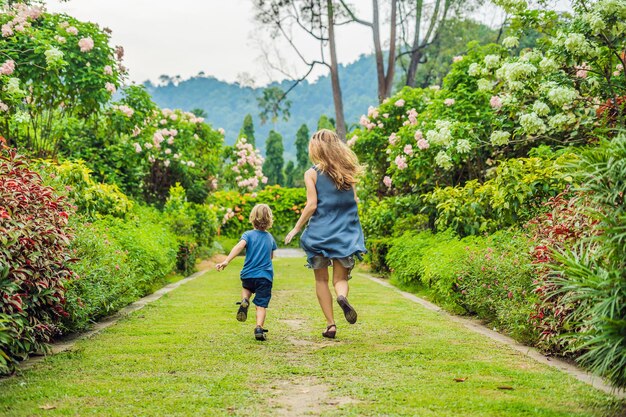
334	158
261	217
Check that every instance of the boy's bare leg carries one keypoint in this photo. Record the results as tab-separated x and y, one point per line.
324	296
260	316
246	293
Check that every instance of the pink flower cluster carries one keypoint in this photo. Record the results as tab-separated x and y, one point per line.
412	114
108	70
401	162
387	181
21	13
423	144
352	141
72	30
110	87
581	72
449	102
249	166
366	123
7	68
126	110
399	103
496	102
228	215
3	107
393	138
86	44
457	58
372	112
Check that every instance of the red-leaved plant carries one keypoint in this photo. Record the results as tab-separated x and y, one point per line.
558	229
34	257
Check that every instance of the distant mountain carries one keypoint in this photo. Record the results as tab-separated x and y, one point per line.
227	103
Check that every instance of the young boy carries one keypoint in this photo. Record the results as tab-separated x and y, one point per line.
258	273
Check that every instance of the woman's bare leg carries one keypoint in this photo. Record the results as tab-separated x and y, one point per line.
340	279
324	296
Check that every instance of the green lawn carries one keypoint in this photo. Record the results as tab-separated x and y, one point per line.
186	355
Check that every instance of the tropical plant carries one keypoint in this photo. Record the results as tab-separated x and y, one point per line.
592	274
34	260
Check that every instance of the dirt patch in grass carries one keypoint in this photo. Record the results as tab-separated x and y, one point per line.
303	397
210	263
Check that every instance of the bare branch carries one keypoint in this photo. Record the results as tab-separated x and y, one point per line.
353	16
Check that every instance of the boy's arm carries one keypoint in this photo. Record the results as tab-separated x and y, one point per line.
233	253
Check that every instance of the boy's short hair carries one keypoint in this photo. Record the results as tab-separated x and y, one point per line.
261	217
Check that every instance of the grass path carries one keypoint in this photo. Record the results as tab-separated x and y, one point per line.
186	355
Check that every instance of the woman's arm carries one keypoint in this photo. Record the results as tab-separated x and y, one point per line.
233	253
310	177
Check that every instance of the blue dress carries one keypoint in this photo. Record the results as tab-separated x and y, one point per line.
334	231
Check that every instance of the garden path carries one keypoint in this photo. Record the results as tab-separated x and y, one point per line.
186	355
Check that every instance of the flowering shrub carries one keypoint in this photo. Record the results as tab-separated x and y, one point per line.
234	209
245	172
514	194
34	240
54	70
178	147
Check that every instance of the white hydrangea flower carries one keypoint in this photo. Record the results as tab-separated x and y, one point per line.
516	71
443	160
484	85
548	65
53	56
559	96
492	61
463	146
21	117
532	123
595	22
576	43
474	70
541	108
558	121
510	42
13	86
500	138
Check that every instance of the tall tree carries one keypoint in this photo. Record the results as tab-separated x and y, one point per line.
317	19
290	173
325	123
385	75
198	112
273	104
417	14
247	129
274	160
302	147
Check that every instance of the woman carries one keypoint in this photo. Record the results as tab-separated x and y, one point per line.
334	234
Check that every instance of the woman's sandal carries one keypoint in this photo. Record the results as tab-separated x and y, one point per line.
348	311
330	333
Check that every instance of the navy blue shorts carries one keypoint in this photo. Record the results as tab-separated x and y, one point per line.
261	288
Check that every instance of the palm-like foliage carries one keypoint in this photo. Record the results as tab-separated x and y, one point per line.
593	274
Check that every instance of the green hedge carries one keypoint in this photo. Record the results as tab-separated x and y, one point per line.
120	260
234	209
490	277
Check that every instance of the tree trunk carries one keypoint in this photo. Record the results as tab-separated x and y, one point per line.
334	74
391	62
378	52
416	54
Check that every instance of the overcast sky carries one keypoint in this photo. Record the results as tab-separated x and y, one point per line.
219	37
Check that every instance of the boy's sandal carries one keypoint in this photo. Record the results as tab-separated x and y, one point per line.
242	313
330	333
259	333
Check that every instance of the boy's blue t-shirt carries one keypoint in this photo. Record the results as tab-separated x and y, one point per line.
259	248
